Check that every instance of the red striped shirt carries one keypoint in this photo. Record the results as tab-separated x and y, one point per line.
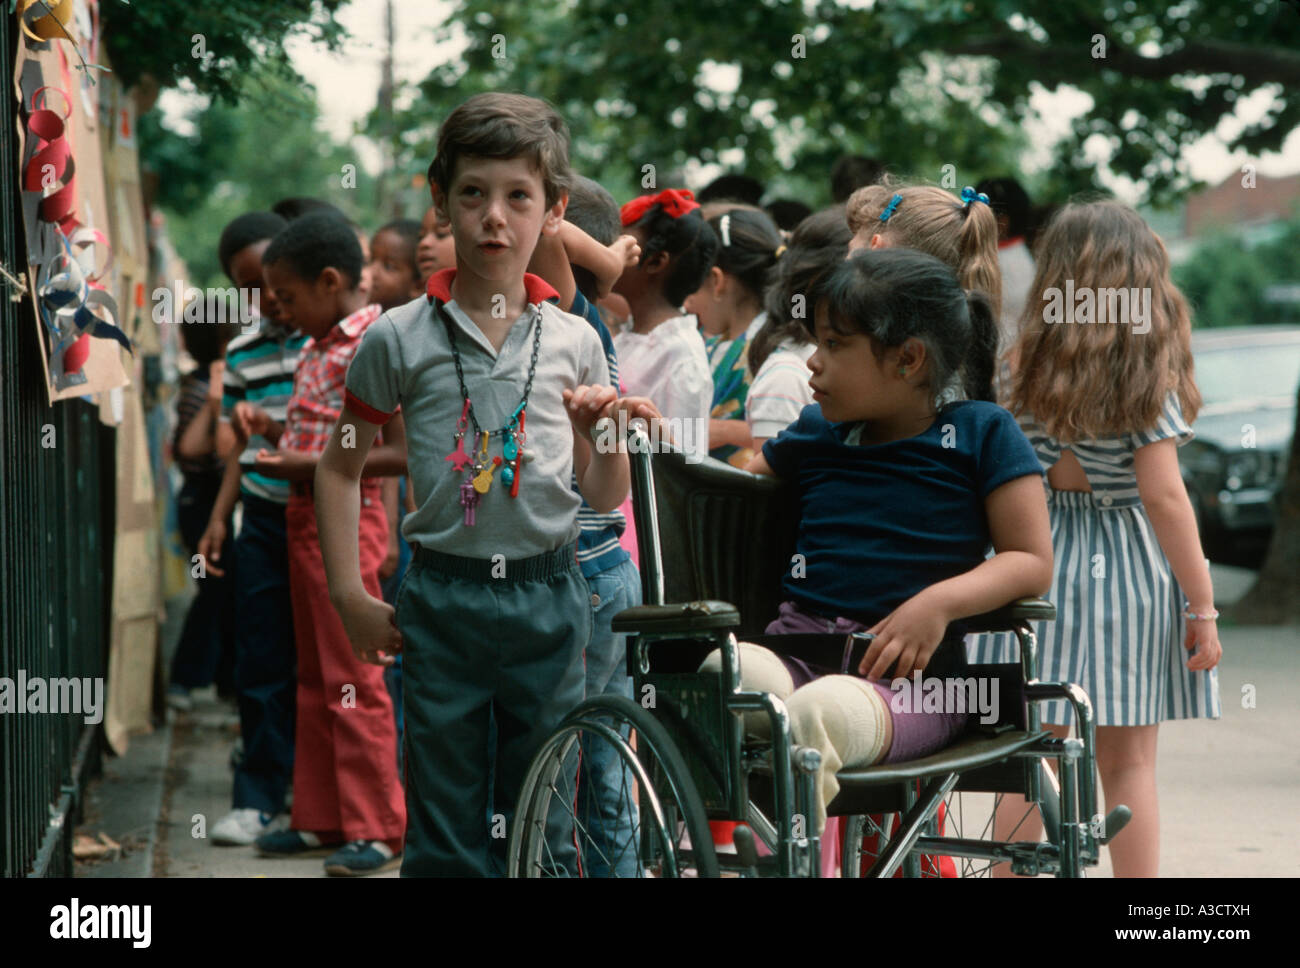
318	382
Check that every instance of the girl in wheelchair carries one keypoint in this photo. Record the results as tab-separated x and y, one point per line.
905	473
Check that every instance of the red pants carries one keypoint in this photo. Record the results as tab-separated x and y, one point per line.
345	756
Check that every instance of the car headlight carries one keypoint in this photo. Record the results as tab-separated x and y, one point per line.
1249	469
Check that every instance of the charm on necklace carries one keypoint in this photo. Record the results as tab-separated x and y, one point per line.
458	457
469	501
483	480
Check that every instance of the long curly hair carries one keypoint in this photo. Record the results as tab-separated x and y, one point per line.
1087	381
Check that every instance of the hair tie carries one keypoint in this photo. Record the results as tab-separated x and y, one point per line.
779	250
889	209
675	203
724	229
968	195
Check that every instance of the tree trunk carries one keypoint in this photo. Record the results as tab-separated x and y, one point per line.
1274	599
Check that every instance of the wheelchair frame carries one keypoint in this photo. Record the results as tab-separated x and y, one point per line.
703	716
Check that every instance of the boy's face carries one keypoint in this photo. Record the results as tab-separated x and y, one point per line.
392	271
246	274
497	208
311	306
437	249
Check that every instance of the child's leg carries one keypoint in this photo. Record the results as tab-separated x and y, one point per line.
1126	760
363	765
760	670
205	631
265	676
543	630
448	678
315	790
605	806
847	720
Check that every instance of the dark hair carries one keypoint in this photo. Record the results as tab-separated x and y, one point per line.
501	125
787	213
817	246
245	230
852	172
690	243
896	294
205	339
748	247
592	209
1039	217
408	230
290	209
315	242
1008	197
731	188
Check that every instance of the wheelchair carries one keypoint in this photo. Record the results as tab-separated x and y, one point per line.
686	758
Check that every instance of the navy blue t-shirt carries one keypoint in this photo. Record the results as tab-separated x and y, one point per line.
879	523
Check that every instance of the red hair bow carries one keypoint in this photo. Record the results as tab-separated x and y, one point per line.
676	202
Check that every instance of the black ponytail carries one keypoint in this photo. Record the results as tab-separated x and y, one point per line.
977	374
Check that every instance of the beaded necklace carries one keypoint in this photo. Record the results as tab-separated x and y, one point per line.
478	477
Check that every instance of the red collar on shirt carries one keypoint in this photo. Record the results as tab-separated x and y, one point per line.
536	288
1008	243
353	325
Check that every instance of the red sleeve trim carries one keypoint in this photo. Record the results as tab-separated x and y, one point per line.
364	410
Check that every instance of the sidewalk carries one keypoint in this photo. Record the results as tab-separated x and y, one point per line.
1227	789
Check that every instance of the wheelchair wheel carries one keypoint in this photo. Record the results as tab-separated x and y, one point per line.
637	815
964	815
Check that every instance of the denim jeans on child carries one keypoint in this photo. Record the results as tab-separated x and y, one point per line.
608	811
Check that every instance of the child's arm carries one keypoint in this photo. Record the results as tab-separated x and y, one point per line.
735	432
1164	495
199	439
386	460
552	263
214	535
603	475
758	465
605	262
368	621
1021	566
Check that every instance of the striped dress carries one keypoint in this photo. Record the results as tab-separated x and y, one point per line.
1119	629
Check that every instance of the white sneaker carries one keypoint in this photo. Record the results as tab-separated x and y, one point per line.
239	828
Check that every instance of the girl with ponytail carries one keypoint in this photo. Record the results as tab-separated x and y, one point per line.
961	232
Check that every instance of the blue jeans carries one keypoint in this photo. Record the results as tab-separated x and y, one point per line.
266	659
609	814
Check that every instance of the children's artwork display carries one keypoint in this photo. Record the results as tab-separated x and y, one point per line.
72	278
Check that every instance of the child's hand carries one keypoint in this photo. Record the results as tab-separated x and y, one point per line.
249	420
1203	642
371	629
285	465
626	252
910	633
586	405
210	547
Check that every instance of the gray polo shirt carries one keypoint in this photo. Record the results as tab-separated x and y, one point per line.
405	360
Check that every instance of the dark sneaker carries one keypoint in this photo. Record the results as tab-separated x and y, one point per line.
293	843
361	857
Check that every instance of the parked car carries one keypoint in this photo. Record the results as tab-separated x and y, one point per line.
1248	377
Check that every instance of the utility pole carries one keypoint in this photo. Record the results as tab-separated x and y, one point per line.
387	197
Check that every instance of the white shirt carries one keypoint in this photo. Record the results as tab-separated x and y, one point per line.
669	365
1017	267
780	389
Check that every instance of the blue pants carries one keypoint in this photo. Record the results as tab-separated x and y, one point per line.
266	661
477	647
206	651
607	811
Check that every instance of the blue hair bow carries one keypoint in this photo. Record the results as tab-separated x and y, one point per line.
889	209
968	195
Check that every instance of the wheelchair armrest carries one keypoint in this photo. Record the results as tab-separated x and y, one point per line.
1006	618
674	619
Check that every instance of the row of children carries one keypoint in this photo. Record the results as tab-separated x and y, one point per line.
485	391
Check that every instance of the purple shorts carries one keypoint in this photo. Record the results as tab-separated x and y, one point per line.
916	733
